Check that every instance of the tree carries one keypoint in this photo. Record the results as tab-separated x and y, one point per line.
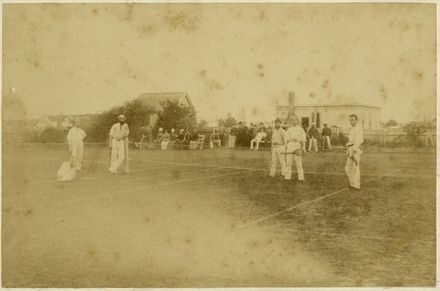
177	116
172	115
391	123
414	129
202	124
229	121
137	115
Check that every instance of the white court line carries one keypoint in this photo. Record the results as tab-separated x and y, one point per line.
93	178
128	190
311	201
262	169
130	179
54	179
248	168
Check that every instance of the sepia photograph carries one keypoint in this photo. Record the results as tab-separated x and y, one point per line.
216	145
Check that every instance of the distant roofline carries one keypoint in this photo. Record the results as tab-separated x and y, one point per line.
67	114
185	94
328	105
165	93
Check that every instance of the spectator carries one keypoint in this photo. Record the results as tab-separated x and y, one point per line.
240	134
194	140
253	130
326	134
159	135
173	137
187	139
143	135
261	126
194	135
313	138
146	136
180	139
245	134
232	136
149	132
261	135
165	140
269	132
223	137
215	139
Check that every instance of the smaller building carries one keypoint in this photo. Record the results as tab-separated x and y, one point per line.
63	122
155	100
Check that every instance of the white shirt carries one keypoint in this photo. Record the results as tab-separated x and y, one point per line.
278	136
119	131
295	134
356	136
76	134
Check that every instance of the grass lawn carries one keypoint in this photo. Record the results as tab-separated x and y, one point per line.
213	218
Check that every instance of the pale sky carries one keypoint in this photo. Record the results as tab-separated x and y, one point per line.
238	58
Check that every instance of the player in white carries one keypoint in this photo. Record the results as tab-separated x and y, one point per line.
354	152
278	149
75	139
295	140
119	144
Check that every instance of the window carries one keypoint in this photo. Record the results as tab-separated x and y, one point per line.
318	120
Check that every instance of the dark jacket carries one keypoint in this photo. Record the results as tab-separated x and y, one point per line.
327	131
313	132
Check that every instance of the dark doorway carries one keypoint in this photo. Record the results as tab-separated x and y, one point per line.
305	122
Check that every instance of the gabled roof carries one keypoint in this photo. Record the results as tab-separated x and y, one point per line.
81	118
56	120
154	100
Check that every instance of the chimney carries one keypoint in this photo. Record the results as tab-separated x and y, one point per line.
291	108
291	103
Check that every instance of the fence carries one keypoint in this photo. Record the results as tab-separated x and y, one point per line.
372	138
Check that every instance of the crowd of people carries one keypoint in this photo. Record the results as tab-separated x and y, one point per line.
168	139
240	136
287	145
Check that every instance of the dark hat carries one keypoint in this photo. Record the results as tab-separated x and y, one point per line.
278	120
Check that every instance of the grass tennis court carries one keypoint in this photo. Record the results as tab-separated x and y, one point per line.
213	218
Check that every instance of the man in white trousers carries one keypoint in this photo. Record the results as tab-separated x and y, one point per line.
278	149
75	139
354	152
295	140
119	144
